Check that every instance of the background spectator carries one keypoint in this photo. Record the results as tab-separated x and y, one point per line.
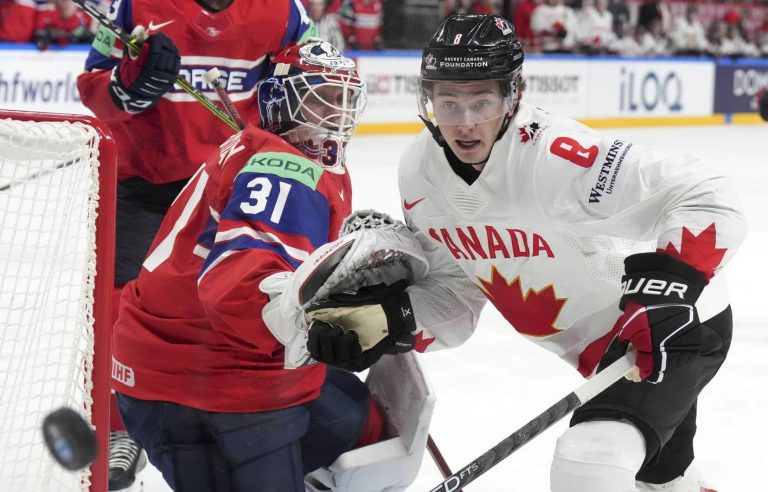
621	15
326	23
626	43
521	18
595	33
653	41
61	22
17	20
470	7
361	23
653	10
687	35
554	24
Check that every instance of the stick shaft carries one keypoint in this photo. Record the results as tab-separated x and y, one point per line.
438	458
542	422
228	104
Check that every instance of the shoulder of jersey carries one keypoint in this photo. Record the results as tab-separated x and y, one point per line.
414	156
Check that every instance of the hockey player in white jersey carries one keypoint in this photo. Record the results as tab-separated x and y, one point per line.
586	244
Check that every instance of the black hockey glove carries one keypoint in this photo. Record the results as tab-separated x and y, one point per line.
139	81
660	319
353	330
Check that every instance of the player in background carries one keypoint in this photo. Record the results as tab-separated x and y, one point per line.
326	23
162	133
761	99
585	243
200	371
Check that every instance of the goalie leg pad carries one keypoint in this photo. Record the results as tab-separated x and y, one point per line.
597	456
407	400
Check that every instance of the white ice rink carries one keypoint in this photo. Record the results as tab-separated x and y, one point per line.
497	381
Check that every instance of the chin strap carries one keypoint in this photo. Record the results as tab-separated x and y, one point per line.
435	131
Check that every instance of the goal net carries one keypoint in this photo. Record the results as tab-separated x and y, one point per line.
57	176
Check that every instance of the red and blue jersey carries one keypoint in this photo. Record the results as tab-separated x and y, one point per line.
190	329
170	140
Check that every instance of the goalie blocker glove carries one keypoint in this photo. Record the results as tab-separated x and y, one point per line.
353	330
139	81
660	319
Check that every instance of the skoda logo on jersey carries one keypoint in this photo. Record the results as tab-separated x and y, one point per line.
325	55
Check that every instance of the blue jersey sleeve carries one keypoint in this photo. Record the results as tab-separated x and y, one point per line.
300	26
106	49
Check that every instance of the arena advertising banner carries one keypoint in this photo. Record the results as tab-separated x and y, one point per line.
558	85
392	83
737	82
641	88
41	81
575	86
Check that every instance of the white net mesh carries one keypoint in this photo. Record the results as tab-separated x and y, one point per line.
48	198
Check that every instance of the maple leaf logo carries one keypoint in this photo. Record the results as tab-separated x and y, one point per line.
533	313
524	137
699	251
421	343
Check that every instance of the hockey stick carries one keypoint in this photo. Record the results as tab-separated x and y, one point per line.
438	458
44	172
212	77
543	421
135	46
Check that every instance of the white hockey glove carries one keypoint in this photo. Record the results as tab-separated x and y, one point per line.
373	248
285	321
355	283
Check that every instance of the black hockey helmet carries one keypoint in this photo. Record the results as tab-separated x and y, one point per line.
470	48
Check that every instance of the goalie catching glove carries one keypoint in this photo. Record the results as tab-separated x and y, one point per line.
660	320
353	330
356	282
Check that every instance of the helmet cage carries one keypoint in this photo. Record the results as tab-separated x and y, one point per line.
316	111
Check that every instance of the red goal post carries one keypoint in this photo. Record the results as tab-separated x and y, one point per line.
57	210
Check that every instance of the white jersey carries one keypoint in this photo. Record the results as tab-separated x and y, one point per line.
543	232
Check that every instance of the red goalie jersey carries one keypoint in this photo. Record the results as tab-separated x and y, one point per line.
190	331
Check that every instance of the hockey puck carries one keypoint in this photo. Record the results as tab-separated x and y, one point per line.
70	439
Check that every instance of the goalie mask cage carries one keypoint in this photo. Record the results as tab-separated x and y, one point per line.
57	207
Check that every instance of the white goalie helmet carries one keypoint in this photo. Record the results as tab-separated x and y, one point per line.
313	97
